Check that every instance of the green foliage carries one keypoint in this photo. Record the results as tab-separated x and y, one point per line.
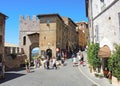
99	75
92	53
114	62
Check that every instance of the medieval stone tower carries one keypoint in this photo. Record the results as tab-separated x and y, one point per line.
29	34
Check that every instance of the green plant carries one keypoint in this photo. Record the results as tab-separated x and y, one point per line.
114	62
92	55
99	75
96	74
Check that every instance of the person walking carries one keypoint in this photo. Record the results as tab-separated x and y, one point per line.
74	60
2	69
82	59
79	57
27	63
54	62
48	62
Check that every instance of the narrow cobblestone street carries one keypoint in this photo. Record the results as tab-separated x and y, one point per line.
64	76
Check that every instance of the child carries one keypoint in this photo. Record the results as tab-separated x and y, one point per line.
27	65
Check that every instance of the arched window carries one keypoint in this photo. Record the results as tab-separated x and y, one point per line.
24	40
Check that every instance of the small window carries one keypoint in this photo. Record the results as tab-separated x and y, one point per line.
119	23
102	1
0	57
24	40
0	40
0	28
48	22
97	33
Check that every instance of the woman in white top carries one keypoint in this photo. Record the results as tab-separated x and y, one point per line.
74	60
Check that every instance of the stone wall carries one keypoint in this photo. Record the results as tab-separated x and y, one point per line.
13	56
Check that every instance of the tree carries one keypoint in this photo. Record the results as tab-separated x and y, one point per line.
92	57
114	62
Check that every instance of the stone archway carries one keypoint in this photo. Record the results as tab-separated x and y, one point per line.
28	42
34	45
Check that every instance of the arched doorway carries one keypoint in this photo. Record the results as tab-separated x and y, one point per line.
104	54
34	52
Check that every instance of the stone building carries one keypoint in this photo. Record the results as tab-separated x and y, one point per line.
104	25
28	34
104	22
3	17
49	32
82	28
56	32
72	35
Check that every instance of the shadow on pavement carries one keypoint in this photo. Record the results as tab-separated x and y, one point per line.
10	76
16	69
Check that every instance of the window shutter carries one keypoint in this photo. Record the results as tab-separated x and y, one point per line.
119	23
97	33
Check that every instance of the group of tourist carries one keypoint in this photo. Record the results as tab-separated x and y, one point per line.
46	62
51	62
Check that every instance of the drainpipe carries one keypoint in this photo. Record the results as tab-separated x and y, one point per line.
90	16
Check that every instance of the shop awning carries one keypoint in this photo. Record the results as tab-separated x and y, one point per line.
104	52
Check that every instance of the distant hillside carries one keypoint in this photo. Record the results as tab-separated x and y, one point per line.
35	53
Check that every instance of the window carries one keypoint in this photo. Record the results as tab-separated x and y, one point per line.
97	34
0	28
0	57
119	23
48	22
103	5
102	1
24	40
0	39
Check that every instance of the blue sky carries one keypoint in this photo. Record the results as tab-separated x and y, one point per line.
74	9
